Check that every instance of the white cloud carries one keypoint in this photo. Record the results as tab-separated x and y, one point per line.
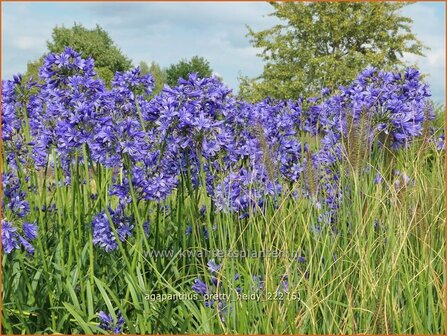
28	42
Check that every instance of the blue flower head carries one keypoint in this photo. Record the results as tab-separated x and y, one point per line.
109	324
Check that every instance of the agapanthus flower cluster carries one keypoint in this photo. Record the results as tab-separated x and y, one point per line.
13	239
105	234
111	325
16	141
17	230
396	106
440	142
196	133
245	190
63	114
120	130
190	127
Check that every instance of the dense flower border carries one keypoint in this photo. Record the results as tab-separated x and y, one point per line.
244	153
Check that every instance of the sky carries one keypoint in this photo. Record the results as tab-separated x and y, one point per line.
167	32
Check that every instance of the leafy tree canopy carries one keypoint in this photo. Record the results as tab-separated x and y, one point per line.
183	68
326	44
95	43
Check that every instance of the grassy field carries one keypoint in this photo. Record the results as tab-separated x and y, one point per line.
374	263
382	272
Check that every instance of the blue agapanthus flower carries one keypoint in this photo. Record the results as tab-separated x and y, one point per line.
30	230
440	142
213	267
199	287
109	324
18	205
103	233
10	238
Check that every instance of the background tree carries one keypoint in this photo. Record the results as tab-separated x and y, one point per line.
248	89
144	68
158	73
183	68
326	44
95	43
32	68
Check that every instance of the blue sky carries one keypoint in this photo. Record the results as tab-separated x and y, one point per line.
167	32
